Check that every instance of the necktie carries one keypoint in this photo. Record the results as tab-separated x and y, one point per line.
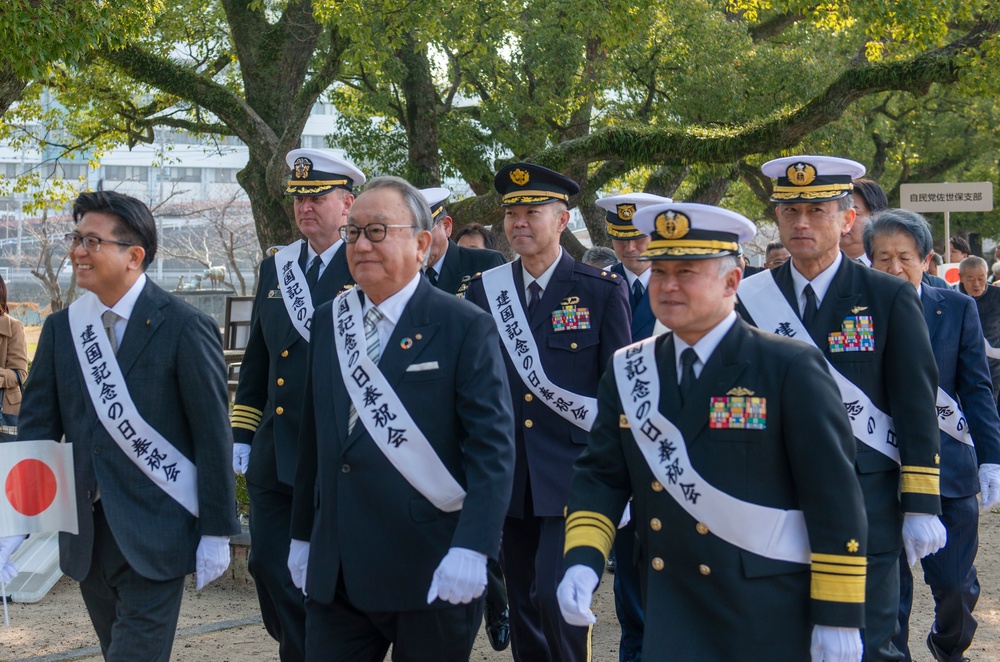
536	291
688	379
312	276
809	314
432	275
109	317
637	291
372	318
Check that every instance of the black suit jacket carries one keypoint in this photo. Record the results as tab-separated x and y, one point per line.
705	602
461	264
171	358
957	339
365	522
899	376
988	306
643	320
272	375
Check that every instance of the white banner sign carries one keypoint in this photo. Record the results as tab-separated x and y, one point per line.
963	196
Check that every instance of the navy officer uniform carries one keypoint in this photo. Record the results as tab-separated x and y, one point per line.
580	319
743	428
268	406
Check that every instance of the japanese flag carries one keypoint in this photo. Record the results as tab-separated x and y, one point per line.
39	492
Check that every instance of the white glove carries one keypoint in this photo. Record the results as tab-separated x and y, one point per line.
831	644
241	458
9	545
298	563
989	485
460	578
211	560
575	592
626	516
923	535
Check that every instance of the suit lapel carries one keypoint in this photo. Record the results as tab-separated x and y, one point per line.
142	324
934	307
840	300
719	375
450	275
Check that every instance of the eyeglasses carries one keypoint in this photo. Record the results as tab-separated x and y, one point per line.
374	232
91	244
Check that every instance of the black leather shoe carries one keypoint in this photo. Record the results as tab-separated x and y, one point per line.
497	627
939	654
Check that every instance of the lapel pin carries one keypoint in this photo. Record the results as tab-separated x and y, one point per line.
420	336
148	322
406	343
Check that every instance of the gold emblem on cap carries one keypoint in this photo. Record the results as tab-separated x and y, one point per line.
801	174
519	177
625	212
302	166
672	225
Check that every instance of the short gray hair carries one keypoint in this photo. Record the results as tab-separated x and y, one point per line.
890	221
419	209
727	263
600	257
971	262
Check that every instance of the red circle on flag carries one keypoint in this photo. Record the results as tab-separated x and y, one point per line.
31	487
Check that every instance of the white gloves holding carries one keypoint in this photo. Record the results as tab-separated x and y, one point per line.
575	592
832	644
460	578
298	563
923	535
211	560
9	545
241	458
989	484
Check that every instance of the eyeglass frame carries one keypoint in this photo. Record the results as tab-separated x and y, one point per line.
343	231
75	240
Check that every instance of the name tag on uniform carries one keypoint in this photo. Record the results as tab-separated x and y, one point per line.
274	294
857	334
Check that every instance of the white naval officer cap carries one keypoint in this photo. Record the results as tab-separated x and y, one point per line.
811	178
692	231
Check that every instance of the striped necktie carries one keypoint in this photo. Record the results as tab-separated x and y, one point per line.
372	318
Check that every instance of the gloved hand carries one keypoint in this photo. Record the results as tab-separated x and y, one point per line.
9	545
575	592
298	563
989	485
923	535
460	578
831	644
241	458
626	516
211	560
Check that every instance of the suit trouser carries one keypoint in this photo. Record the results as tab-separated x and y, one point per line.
340	632
281	604
135	618
952	577
532	559
496	590
628	595
881	607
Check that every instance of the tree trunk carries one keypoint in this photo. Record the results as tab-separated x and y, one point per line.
423	167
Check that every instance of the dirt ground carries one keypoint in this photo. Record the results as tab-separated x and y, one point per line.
222	622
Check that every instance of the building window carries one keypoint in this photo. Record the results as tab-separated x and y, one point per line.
189	175
225	175
126	173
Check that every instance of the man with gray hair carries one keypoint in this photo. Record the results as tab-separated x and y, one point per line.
972	281
406	450
898	242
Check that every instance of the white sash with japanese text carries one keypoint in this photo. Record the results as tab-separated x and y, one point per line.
389	425
148	450
770	310
520	346
294	288
770	532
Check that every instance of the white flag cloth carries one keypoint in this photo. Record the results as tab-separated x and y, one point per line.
39	489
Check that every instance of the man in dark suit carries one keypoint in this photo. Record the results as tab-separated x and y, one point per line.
898	242
406	454
135	380
704	428
267	413
870	329
972	273
562	321
450	267
629	244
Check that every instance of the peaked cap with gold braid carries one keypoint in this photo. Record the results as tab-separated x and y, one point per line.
691	231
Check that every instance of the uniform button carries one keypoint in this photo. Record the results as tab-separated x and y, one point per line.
701	528
97	451
284	353
281	381
657	486
657	563
279	410
572	345
655	524
704	569
528	423
345	468
528	397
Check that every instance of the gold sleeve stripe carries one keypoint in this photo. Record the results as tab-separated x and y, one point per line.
851	570
930	471
839	559
921	483
245	417
838	588
586	528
